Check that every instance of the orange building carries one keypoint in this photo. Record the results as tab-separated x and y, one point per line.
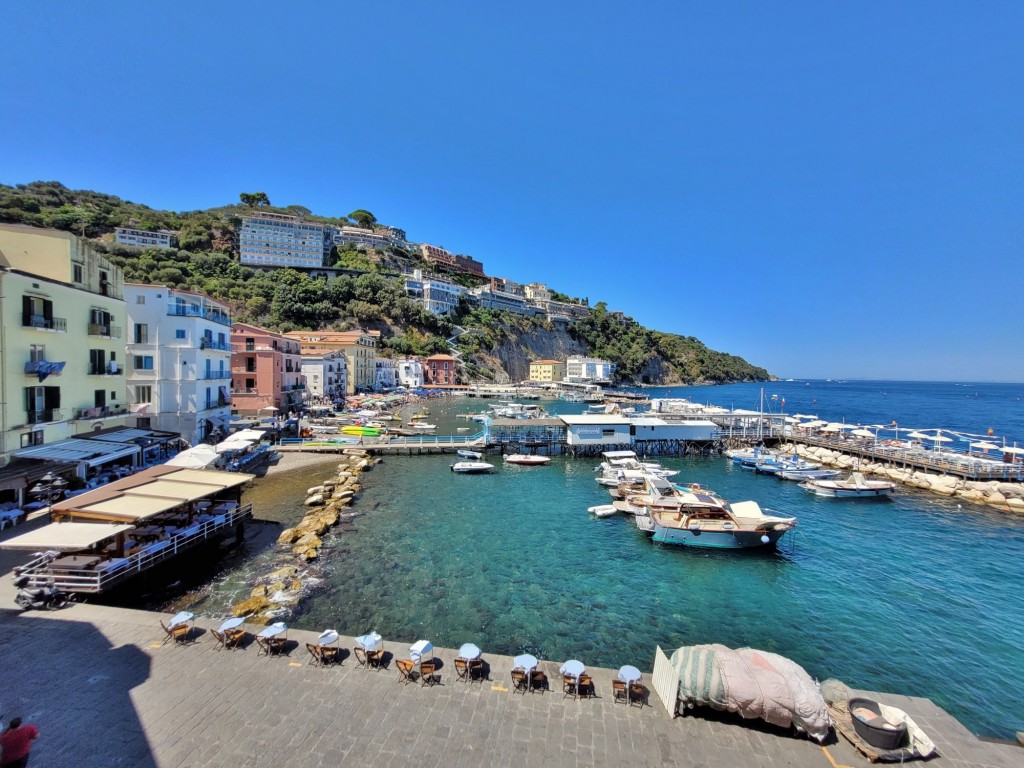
266	371
439	369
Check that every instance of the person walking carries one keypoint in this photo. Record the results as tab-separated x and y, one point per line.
15	743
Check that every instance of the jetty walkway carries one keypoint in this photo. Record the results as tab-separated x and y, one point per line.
105	690
934	461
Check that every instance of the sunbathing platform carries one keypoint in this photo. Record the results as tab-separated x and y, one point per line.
196	704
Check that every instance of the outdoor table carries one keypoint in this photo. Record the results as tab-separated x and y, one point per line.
527	662
573	668
74	562
274	630
369	641
328	637
419	649
628	674
231	624
181	617
469	652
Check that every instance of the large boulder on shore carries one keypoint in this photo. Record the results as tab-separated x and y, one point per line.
285	572
288	535
995	498
315	500
255	604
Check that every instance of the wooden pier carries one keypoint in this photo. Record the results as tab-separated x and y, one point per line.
936	462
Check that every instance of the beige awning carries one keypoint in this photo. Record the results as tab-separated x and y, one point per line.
211	477
169	489
64	537
126	508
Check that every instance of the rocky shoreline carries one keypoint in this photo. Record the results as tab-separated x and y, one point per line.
1006	497
328	504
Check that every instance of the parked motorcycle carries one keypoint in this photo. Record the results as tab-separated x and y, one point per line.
39	598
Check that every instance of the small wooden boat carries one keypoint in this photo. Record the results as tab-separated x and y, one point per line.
472	467
467	454
602	510
525	460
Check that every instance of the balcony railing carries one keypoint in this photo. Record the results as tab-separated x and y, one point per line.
100	411
110	331
212	375
45	415
45	323
187	310
223	346
105	370
248	391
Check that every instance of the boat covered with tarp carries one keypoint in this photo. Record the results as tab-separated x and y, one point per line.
750	682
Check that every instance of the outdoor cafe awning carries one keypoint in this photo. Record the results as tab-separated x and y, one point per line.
64	537
75	450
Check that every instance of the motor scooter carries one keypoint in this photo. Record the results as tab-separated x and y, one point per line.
48	597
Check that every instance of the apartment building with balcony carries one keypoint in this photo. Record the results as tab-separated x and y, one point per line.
179	360
439	370
385	374
436	294
278	240
582	370
326	374
490	297
266	371
409	372
359	348
547	370
62	318
144	239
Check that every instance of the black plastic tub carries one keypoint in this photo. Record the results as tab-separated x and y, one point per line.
873	728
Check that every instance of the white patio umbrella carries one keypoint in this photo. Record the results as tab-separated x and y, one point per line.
419	649
1014	450
233	445
938	437
270	408
984	446
861	432
814	424
832	428
198	457
792	420
918	435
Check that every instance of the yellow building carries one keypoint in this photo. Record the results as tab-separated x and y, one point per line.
62	346
360	348
547	370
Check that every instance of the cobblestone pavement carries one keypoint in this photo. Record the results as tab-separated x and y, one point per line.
105	691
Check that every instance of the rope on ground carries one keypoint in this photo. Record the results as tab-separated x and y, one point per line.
831	760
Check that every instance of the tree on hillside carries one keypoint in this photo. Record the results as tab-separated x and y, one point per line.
363	218
253	199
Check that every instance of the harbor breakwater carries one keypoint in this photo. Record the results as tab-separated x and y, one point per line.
1006	497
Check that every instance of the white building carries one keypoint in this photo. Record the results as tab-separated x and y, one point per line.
277	240
179	360
651	428
385	374
597	429
410	373
140	237
586	369
326	376
436	294
491	298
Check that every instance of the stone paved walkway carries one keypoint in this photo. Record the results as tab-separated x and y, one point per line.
105	692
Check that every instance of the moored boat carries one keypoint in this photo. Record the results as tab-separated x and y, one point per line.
602	510
700	520
468	454
854	487
525	459
472	467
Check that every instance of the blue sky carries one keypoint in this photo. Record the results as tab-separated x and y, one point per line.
826	189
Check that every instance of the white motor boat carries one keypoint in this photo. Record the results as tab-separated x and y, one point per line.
602	510
854	487
423	426
472	467
468	454
525	459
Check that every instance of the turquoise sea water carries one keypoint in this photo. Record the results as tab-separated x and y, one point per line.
917	595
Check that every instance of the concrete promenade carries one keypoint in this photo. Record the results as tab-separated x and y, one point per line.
105	691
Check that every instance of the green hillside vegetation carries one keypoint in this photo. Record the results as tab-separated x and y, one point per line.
206	260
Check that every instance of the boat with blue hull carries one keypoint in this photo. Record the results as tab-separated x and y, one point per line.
701	520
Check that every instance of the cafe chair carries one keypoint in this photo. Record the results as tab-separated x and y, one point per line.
360	655
476	669
637	694
178	634
405	670
316	654
461	669
539	681
233	638
619	691
375	658
330	654
428	673
520	682
585	686
569	686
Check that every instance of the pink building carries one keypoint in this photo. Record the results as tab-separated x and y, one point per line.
439	369
266	371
